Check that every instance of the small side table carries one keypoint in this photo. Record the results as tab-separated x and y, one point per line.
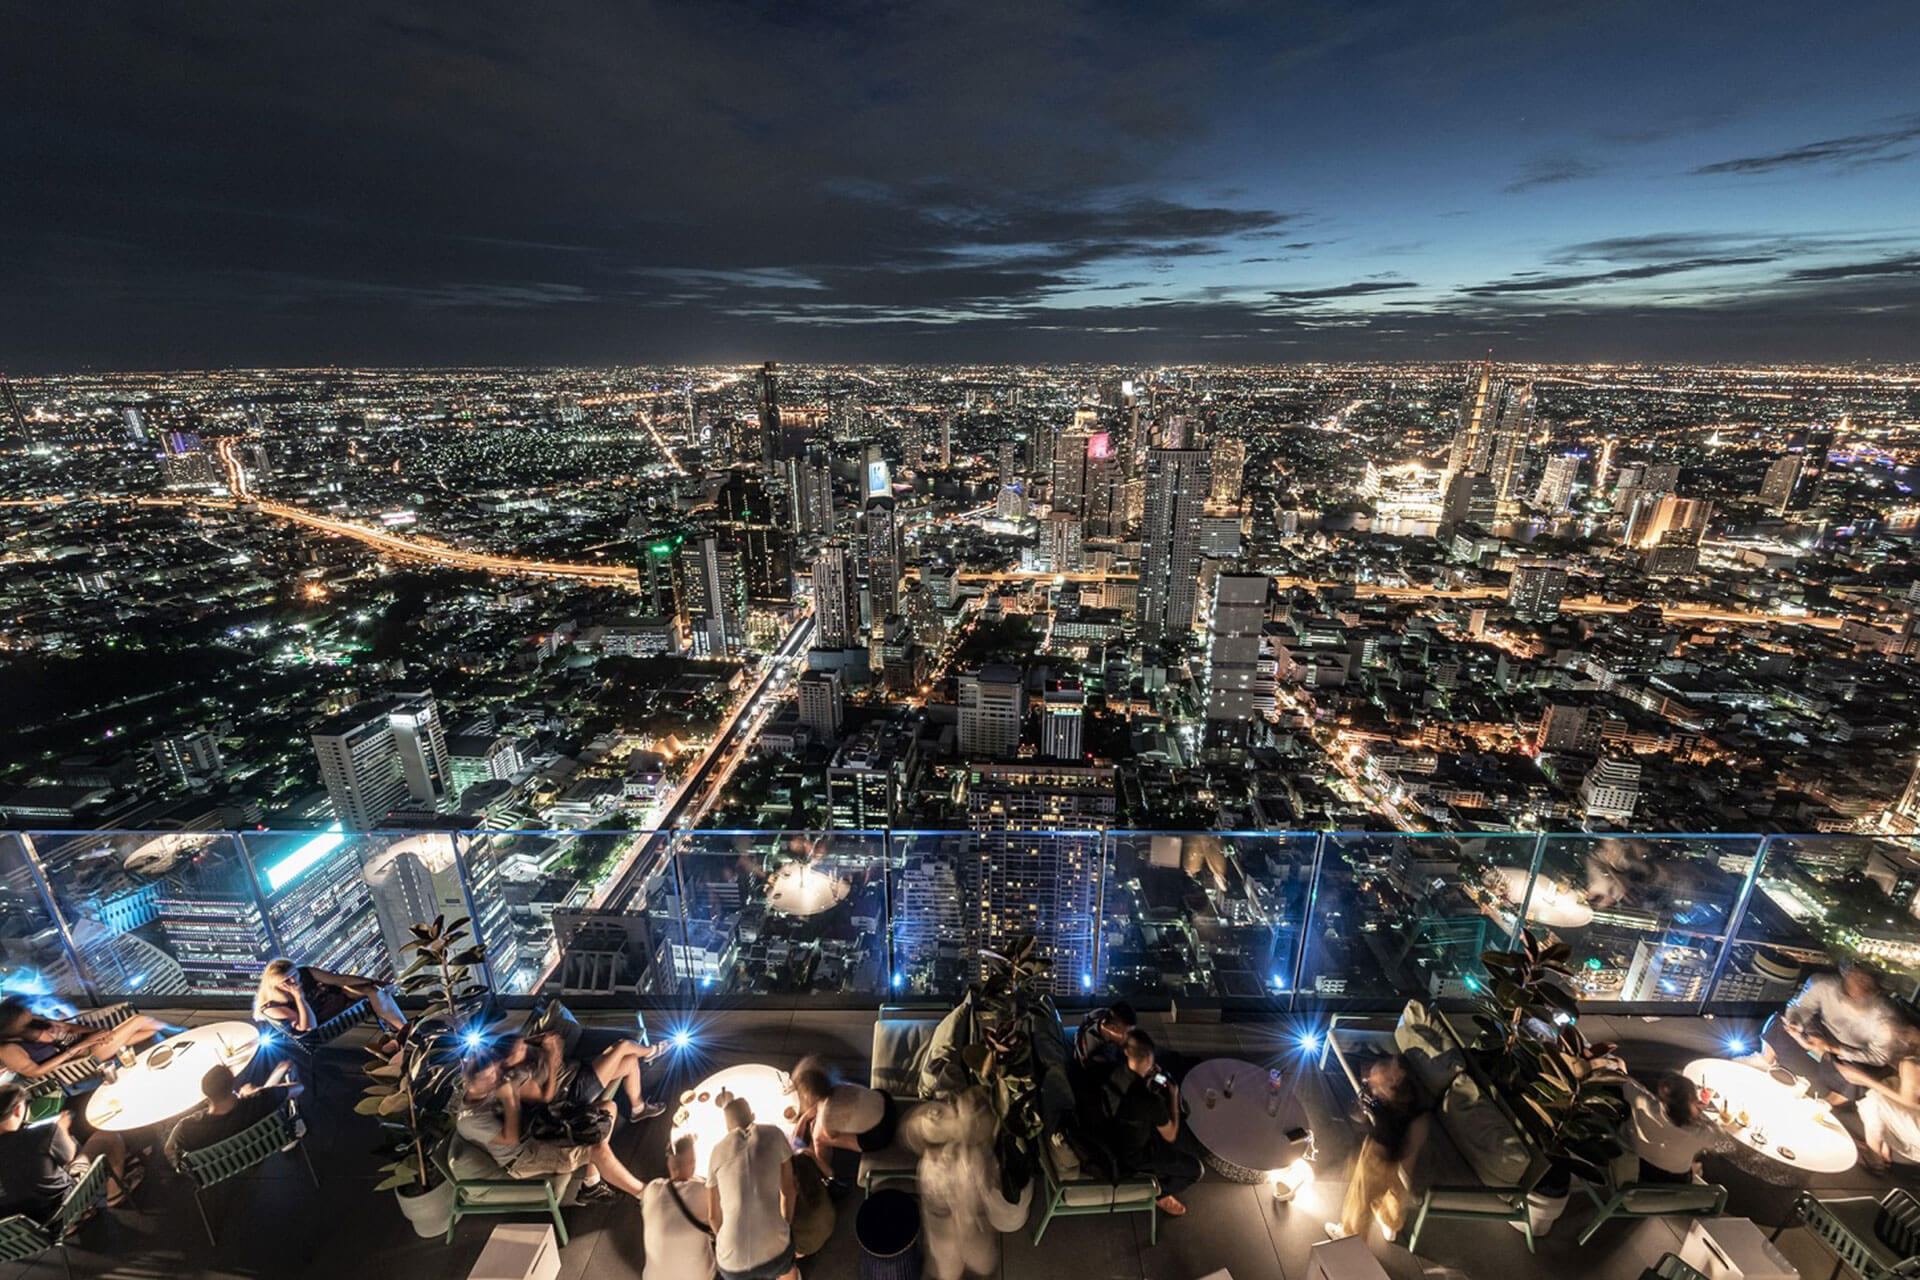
519	1251
1734	1249
1347	1258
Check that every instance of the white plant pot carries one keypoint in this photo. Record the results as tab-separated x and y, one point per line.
1543	1210
430	1212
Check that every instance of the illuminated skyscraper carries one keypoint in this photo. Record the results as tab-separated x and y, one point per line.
836	598
1233	644
1062	723
1229	465
1536	590
419	877
713	592
992	706
820	703
1555	492
1038	883
1782	480
381	755
883	544
1491	435
769	389
1178	481
1065	538
1070	473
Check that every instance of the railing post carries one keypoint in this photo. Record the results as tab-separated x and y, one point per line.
886	913
1735	919
473	912
1306	924
1526	899
1097	971
259	898
30	858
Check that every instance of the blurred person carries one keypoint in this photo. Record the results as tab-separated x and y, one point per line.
1396	1129
41	1163
958	1183
839	1114
32	1046
751	1197
1837	1019
538	1067
1666	1129
1890	1108
489	1114
1100	1041
1143	1111
674	1219
302	998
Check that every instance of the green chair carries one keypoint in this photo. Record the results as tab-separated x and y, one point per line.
1627	1197
1846	1227
475	1193
230	1157
1066	1194
21	1237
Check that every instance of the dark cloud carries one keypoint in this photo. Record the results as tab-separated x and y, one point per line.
1550	170
1903	265
1358	288
1852	149
1556	284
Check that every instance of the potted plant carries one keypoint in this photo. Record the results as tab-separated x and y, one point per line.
1016	1038
1531	1046
409	1093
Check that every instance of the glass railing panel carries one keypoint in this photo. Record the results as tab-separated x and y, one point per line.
154	914
1398	916
1645	916
1204	915
36	962
1821	899
784	912
324	908
958	893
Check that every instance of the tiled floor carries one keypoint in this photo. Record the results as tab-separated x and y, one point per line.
274	1224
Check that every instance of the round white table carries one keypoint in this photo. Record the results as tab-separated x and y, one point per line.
164	1080
764	1088
1242	1141
798	890
1552	904
1783	1124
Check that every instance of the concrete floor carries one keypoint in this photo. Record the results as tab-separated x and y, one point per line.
274	1224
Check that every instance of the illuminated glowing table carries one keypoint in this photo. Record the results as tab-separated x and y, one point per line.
1243	1141
798	890
1553	905
1782	1122
764	1088
164	1080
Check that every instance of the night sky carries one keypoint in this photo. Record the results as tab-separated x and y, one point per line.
211	184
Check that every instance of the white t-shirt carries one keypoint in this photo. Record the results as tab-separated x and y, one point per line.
1658	1140
676	1249
744	1172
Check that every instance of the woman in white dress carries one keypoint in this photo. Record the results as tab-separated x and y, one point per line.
1890	1111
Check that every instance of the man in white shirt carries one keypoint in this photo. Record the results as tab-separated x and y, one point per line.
1836	1018
674	1218
751	1195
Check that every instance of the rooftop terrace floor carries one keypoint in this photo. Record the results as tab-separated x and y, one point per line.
273	1223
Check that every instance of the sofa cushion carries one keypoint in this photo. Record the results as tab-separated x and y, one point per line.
1060	1154
469	1161
1483	1133
1679	1197
1425	1041
955	1031
899	1047
1489	1202
533	1191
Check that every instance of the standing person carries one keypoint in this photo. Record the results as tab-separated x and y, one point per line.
843	1115
40	1164
302	998
1664	1128
674	1219
1143	1108
32	1046
1837	1018
1100	1042
1383	1171
488	1114
1890	1109
751	1197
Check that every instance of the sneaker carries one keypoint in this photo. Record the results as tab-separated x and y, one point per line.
1334	1230
597	1193
650	1110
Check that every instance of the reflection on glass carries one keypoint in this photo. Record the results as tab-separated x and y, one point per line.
34	961
320	906
1819	898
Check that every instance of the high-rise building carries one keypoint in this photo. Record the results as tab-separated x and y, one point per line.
1037	883
21	430
820	704
482	757
1065	537
1555	491
1567	727
382	754
1233	644
189	756
992	706
1490	437
1178	481
659	589
813	500
419	877
1229	466
1656	516
713	594
1063	723
836	598
863	782
1535	591
1663	972
881	532
1611	789
1069	493
1781	481
769	389
1100	481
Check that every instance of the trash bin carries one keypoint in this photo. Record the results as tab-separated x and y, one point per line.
888	1229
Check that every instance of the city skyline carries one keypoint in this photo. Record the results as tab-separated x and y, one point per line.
238	187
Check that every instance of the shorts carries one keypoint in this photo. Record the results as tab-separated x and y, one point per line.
880	1137
772	1269
539	1158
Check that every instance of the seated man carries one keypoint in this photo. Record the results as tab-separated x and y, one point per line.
1837	1018
229	1110
673	1215
39	1164
489	1114
1097	1045
1143	1112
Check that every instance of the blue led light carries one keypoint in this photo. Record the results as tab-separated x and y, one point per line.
1736	1046
1310	1041
473	1039
682	1038
1086	982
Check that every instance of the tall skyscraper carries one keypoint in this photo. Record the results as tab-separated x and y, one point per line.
1070	472
881	533
18	419
1062	723
1656	517
380	755
1229	466
713	593
813	499
1611	789
1781	481
836	598
769	388
1100	486
418	877
1178	481
189	756
659	590
1536	590
1233	644
820	704
992	706
1555	491
1065	538
1491	435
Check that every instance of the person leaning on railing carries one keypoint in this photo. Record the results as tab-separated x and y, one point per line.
32	1046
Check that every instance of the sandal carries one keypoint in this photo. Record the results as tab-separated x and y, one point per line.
129	1182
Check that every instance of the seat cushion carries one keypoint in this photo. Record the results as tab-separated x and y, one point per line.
1677	1198
1483	1133
954	1031
470	1161
533	1192
1082	1195
899	1048
896	1162
1436	1058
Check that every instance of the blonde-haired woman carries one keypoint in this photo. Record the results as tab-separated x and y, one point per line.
302	997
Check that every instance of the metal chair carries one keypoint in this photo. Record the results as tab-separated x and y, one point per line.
1627	1197
499	1195
1846	1227
21	1237
233	1156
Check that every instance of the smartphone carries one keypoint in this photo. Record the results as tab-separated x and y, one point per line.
1160	1078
